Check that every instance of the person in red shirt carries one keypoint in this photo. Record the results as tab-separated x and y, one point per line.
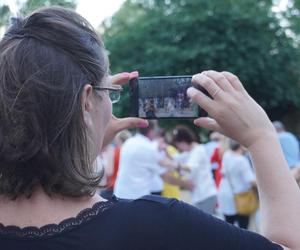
113	164
217	158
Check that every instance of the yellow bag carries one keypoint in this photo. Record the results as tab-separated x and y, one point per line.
246	203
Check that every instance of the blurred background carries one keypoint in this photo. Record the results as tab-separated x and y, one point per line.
257	40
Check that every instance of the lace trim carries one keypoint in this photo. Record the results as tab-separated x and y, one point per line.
52	229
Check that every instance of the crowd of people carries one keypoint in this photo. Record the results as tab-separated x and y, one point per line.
177	105
175	164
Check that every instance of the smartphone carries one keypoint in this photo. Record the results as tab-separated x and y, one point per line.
163	97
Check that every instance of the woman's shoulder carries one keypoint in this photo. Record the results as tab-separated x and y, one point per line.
145	204
155	212
182	226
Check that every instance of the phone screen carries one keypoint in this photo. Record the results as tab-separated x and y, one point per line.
163	97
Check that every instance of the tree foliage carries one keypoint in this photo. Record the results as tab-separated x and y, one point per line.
4	14
292	15
177	37
31	5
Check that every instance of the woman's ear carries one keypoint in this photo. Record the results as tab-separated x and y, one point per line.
87	104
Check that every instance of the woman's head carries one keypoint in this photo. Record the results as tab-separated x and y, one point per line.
52	120
234	145
183	138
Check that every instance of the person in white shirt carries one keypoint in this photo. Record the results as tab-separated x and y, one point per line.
204	194
140	165
238	177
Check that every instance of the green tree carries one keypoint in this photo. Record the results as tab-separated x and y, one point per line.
292	16
31	5
176	37
4	14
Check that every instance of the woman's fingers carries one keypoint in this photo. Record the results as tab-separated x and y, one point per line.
123	78
234	80
219	79
209	84
208	123
118	124
199	98
234	112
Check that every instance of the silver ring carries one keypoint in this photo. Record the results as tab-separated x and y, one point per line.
215	93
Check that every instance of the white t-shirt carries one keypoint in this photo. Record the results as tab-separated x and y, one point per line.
138	166
201	174
238	170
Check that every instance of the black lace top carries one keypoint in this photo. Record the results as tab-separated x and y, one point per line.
52	229
149	223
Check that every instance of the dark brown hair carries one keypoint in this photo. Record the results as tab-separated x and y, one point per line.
183	133
45	61
234	145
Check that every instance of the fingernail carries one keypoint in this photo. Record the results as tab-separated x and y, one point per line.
126	74
190	91
143	124
134	74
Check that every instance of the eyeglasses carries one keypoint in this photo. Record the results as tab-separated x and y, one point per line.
114	92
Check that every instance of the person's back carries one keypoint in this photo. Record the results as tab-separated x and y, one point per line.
225	193
201	175
238	177
138	166
148	223
204	194
238	172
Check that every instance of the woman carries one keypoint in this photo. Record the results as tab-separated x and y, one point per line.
238	177
55	118
204	194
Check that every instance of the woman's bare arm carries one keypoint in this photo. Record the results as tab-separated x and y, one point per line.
279	193
238	116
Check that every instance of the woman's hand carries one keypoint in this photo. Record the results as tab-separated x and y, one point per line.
233	112
238	116
115	124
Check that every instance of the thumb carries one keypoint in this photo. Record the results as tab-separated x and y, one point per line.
208	123
123	78
131	122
